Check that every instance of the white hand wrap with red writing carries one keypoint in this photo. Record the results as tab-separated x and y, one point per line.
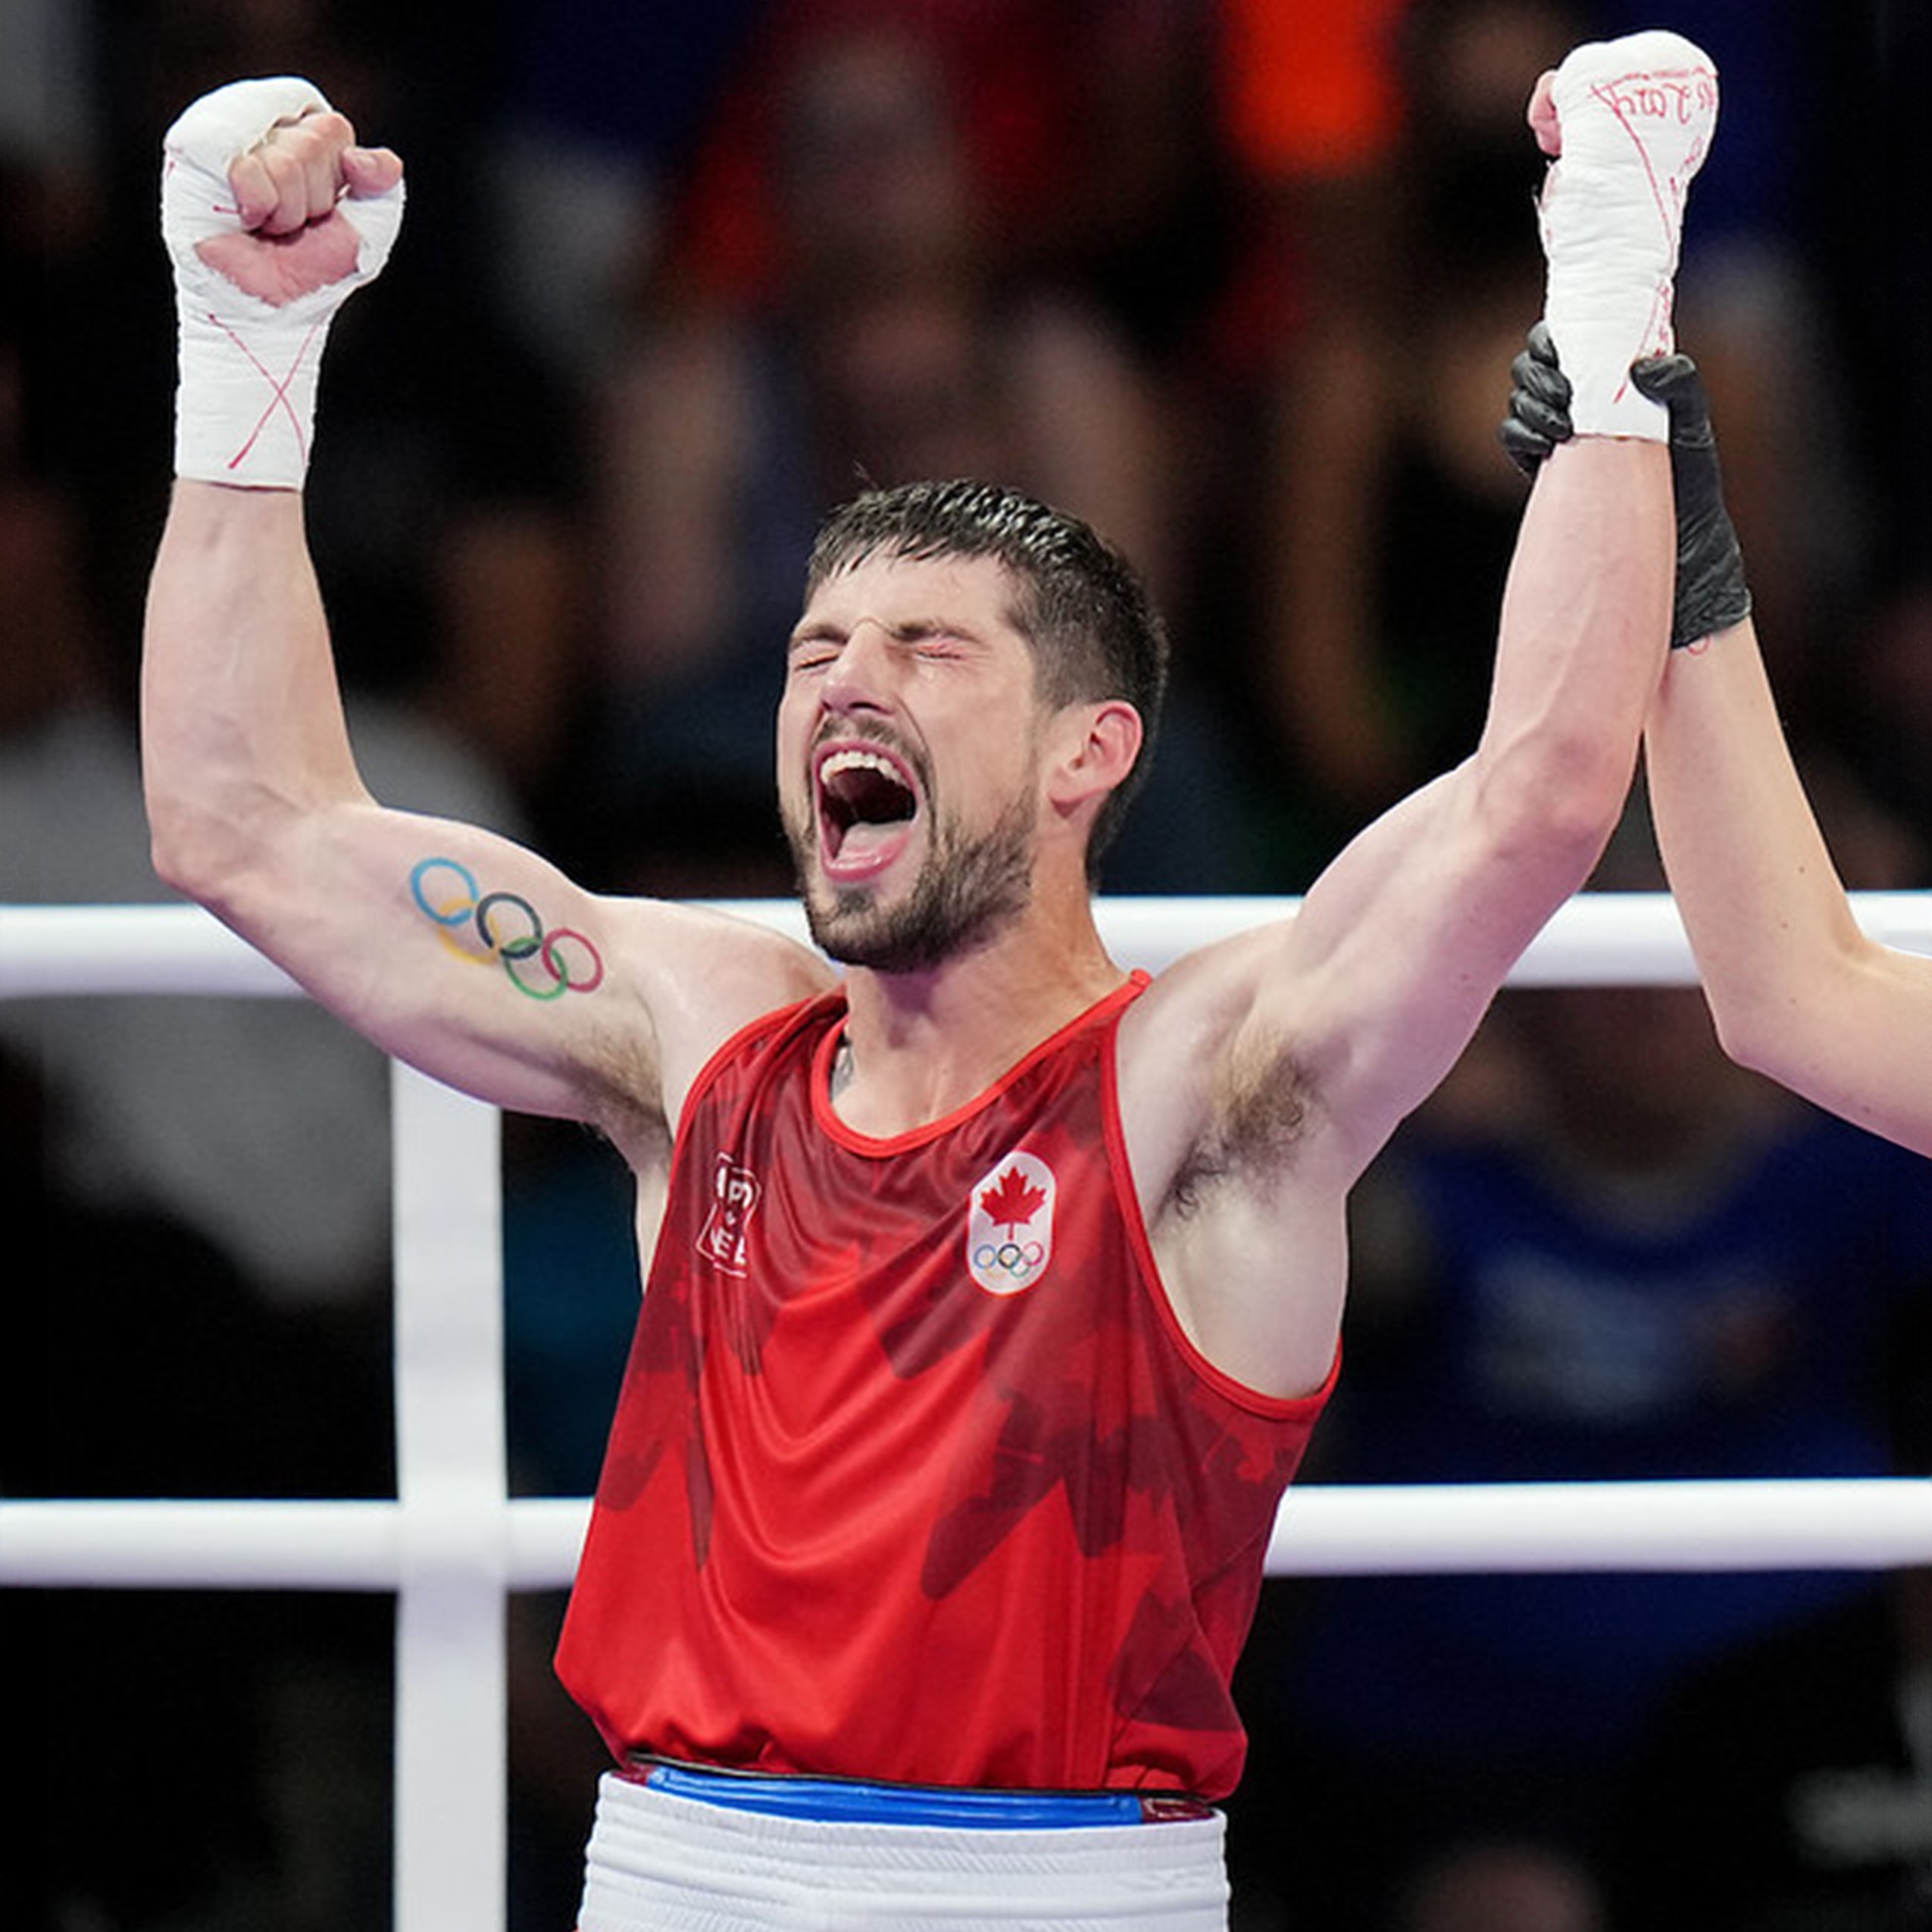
1637	116
245	407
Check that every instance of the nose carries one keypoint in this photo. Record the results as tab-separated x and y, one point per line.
859	677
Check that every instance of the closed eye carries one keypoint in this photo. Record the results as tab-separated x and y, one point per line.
817	648
932	639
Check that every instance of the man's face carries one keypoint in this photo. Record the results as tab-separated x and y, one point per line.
908	738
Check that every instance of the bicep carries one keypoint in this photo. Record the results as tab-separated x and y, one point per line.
1382	977
1330	1027
482	964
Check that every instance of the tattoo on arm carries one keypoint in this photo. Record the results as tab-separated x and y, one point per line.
541	963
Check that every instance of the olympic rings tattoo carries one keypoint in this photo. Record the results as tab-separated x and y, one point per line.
569	962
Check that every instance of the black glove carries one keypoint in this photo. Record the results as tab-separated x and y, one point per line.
1539	417
1711	592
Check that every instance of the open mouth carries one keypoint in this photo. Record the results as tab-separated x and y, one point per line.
866	803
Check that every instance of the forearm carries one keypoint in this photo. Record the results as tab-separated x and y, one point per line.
1797	990
1586	617
243	734
1776	943
271	215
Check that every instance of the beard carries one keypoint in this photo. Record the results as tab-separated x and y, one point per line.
968	889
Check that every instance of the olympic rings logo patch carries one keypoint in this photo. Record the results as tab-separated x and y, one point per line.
541	963
1009	1232
1009	1267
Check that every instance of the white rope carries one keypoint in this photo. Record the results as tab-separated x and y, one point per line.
1859	1523
1599	938
453	1542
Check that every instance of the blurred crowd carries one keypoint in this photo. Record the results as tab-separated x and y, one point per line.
1239	281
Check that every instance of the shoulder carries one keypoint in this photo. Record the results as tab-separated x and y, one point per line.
701	975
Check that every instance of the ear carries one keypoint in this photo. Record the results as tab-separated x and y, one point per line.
1094	748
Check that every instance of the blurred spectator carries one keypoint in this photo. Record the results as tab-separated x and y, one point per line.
1884	705
1386	518
1872	249
602	102
1087	126
1502	1887
440	520
1788	1787
1312	111
260	1124
891	342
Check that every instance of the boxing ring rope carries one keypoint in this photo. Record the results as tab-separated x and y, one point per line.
453	1542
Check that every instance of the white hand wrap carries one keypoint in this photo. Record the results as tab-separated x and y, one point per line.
1637	116
245	410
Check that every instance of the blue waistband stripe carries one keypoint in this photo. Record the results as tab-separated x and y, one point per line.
852	1801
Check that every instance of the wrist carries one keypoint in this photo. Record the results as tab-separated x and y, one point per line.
244	399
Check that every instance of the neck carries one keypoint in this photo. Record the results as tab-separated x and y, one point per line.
922	1044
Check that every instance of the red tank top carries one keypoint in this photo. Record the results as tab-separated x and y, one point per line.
914	1475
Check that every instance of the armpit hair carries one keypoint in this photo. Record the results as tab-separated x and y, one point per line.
630	1110
1260	1114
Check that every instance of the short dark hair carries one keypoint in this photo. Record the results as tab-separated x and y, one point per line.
1094	629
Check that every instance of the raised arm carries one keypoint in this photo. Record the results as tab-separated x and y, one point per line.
1400	946
1797	990
1278	1063
445	944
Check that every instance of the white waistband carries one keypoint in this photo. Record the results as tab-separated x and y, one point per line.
659	1863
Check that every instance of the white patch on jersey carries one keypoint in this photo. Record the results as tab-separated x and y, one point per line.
1009	1230
735	1193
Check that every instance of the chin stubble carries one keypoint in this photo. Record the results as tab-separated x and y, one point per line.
967	889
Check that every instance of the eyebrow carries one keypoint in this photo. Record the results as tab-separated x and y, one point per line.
907	630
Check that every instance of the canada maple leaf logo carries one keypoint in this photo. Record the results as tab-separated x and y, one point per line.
1013	1201
1009	1224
